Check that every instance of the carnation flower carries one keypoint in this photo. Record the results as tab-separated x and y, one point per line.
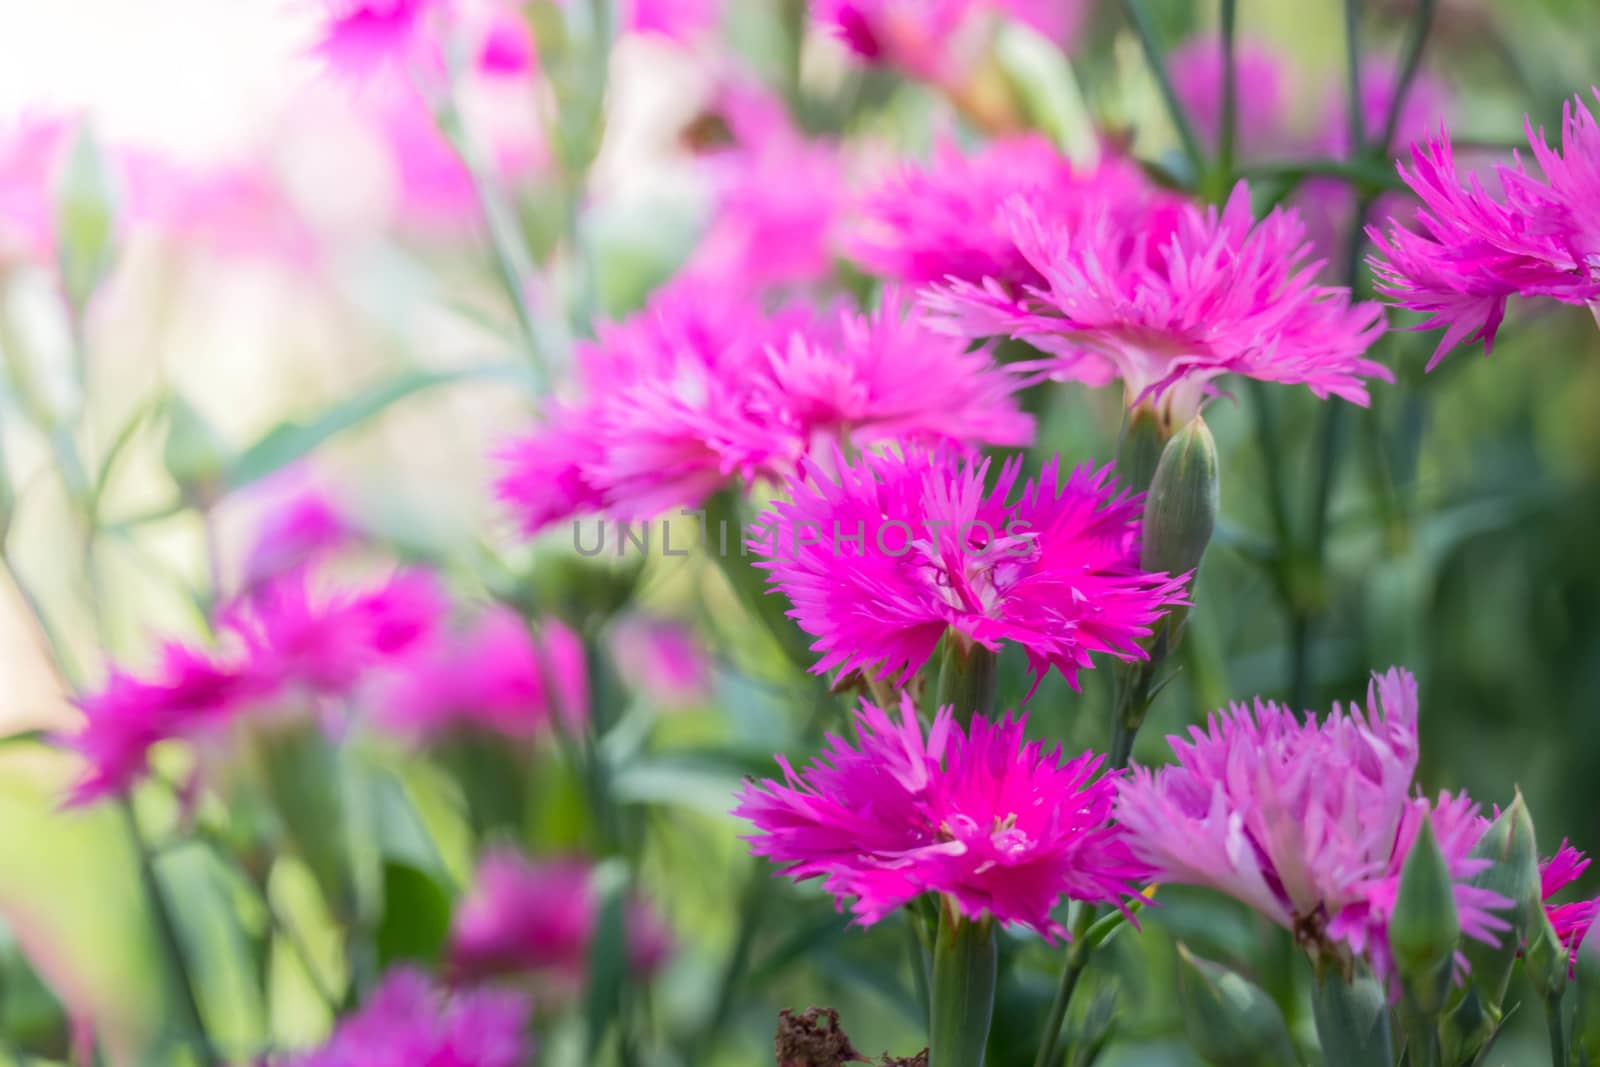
1470	252
996	824
492	675
926	224
539	918
1307	822
1572	919
701	389
1174	302
661	658
885	557
407	1022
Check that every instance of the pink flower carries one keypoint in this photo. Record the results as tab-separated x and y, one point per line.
492	675
1572	919
662	659
996	824
306	527
1470	252
1261	105
1174	302
364	38
883	557
406	1022
539	918
936	40
1309	823
701	389
680	20
886	377
926	224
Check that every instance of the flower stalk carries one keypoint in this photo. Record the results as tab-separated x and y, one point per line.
962	1006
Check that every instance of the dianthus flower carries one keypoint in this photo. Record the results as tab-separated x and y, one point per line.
883	558
943	220
1173	303
539	918
1572	919
493	675
700	389
1470	252
407	1022
662	659
1261	117
998	825
1307	822
361	39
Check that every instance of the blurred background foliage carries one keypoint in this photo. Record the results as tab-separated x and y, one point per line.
1460	543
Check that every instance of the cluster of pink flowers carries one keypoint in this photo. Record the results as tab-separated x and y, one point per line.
1308	822
407	1022
1470	252
701	388
885	556
538	918
997	825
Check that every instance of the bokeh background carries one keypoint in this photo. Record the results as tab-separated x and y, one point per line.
307	281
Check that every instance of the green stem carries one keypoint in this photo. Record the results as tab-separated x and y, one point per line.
1352	74
1409	65
1557	1030
1365	174
1139	19
167	936
1077	961
752	909
968	678
962	1008
1228	132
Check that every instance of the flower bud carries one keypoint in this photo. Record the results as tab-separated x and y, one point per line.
1144	435
1181	508
1586	1030
1230	1021
1509	846
86	212
1466	1029
195	454
1424	927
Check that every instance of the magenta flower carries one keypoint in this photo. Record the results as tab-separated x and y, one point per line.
492	675
307	526
700	389
1470	252
996	824
406	1022
884	557
662	659
1307	822
1173	303
1572	919
365	38
926	224
936	40
679	20
538	918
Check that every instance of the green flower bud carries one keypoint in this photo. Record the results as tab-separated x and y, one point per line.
1352	1020
1509	846
195	454
1230	1021
1144	435
86	213
1466	1029
1424	928
1181	509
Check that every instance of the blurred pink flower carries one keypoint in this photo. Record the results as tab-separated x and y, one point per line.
663	659
1261	105
492	675
304	528
1309	823
30	152
936	40
362	39
1175	303
998	825
538	918
702	387
679	20
407	1022
944	220
1572	919
1469	252
883	557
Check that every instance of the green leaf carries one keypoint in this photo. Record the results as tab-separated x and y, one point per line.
608	958
416	916
291	441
